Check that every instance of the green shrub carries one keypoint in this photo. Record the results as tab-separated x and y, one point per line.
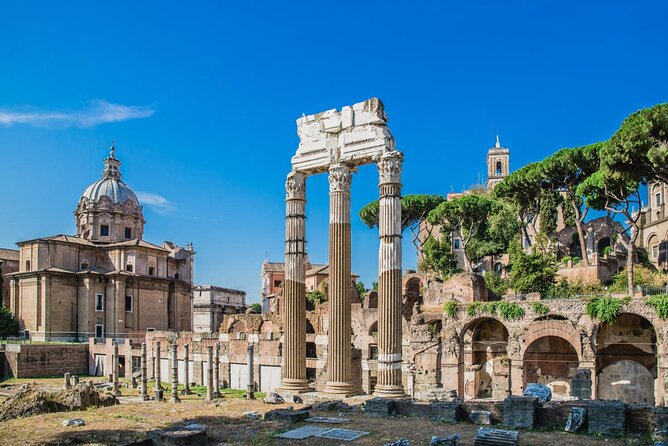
606	309
531	273
450	309
540	308
510	310
642	276
478	308
565	289
316	296
660	305
497	284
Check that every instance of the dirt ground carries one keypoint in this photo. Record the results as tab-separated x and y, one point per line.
227	425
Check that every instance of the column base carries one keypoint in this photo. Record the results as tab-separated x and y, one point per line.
389	392
294	386
339	389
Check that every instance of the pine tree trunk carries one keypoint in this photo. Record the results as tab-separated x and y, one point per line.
583	244
630	251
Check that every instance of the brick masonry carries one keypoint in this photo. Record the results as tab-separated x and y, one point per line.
40	360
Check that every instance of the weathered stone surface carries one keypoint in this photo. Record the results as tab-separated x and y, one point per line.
576	419
520	411
73	422
286	415
660	425
273	398
379	407
30	400
448	412
542	392
481	417
402	442
302	432
449	440
581	384
187	435
442	394
606	417
496	437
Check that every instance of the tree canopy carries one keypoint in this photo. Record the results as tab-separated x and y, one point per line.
414	210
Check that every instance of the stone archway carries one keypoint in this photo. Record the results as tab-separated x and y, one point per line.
626	360
552	361
411	296
484	366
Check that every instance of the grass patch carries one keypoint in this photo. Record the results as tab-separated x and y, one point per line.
450	309
540	308
660	305
606	309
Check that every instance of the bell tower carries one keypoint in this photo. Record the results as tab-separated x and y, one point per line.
498	164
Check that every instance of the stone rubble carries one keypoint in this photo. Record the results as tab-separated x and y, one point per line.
576	419
520	411
606	417
481	417
541	391
449	440
496	437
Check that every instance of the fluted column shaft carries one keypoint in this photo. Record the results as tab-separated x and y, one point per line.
175	374
186	371
209	374
114	370
389	277
143	390
294	287
339	361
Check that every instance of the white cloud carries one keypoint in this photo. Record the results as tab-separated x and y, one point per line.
156	202
97	112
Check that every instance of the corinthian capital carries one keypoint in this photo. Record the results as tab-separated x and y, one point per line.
389	167
295	186
340	178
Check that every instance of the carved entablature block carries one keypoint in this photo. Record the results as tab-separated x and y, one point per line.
295	186
354	135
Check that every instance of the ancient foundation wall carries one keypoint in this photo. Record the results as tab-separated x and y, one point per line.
33	361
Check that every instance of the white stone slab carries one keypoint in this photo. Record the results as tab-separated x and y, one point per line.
330	420
302	432
342	434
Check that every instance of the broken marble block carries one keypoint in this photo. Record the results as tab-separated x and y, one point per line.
449	440
576	419
402	442
481	417
487	436
74	422
541	391
286	415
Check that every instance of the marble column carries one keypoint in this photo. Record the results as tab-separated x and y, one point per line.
216	371
339	353
389	277
114	369
158	378
294	287
250	392
209	375
186	370
143	391
175	374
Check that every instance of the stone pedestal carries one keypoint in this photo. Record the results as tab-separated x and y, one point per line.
294	288
67	382
389	277
339	351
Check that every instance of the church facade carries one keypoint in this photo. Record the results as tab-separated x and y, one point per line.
105	281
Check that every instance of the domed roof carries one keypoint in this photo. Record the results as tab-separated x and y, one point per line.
117	191
110	185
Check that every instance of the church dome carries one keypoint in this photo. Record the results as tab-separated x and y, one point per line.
110	185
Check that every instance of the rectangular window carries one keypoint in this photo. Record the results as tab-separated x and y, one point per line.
128	268
99	302
373	352
151	272
458	244
278	283
128	304
658	199
99	331
655	252
128	233
104	230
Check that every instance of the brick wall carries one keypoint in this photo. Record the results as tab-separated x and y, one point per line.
33	361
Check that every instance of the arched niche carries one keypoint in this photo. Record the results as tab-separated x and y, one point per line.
484	364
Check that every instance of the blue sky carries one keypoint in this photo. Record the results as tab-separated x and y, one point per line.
202	99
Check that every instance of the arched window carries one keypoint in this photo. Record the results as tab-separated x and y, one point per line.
84	264
27	265
653	247
498	167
